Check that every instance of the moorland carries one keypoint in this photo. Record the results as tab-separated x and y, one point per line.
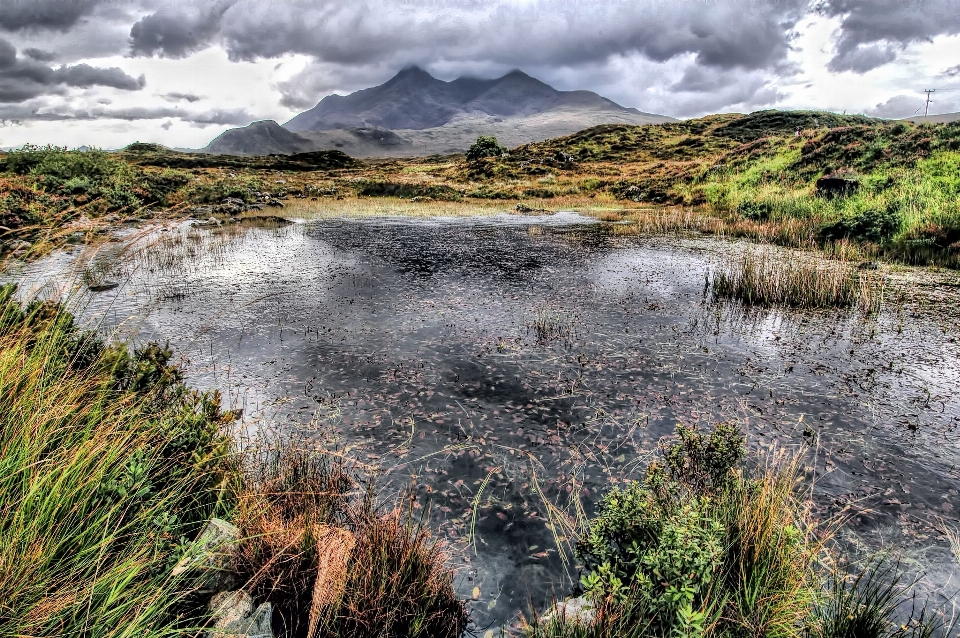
114	465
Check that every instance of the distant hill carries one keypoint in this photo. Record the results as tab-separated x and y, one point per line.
260	138
416	114
945	118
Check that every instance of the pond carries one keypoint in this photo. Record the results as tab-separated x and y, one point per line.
505	371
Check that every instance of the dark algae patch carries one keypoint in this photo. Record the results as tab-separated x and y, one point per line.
505	373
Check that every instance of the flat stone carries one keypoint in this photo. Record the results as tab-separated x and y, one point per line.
210	554
578	610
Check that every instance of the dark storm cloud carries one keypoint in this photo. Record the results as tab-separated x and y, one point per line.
22	79
873	30
44	14
40	55
738	33
176	31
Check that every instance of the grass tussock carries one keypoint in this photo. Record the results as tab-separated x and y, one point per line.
333	563
109	466
760	278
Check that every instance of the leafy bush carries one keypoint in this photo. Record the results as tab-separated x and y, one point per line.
876	224
485	146
700	546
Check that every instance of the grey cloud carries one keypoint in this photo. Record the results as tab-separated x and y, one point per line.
863	58
84	76
898	107
40	55
22	79
177	31
44	14
738	33
700	91
39	110
953	71
177	97
886	24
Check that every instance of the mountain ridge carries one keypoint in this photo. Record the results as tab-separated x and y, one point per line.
416	113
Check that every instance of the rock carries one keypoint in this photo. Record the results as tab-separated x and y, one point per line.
831	186
210	556
868	265
102	286
578	610
275	202
234	616
523	209
421	198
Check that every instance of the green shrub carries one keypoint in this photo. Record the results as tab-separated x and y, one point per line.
876	224
485	146
756	210
701	546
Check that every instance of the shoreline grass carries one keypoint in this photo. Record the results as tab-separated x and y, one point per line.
747	176
110	467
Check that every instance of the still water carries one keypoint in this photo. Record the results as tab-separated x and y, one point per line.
507	370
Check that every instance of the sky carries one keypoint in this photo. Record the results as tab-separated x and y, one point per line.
106	73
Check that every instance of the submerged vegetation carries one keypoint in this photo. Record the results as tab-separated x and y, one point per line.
112	467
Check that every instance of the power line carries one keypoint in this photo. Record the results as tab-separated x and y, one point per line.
926	109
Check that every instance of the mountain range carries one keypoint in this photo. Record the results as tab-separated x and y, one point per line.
414	113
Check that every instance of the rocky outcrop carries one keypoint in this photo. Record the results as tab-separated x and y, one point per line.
233	615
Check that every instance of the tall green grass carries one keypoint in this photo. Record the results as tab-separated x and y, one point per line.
758	277
109	466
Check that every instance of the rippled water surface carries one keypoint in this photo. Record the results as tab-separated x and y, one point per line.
412	346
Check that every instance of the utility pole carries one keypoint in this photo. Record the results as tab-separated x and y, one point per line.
926	109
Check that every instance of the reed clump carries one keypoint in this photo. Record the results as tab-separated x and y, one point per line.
759	278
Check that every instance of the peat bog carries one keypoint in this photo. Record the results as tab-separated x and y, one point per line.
508	370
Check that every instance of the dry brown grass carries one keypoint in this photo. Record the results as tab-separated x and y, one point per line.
334	564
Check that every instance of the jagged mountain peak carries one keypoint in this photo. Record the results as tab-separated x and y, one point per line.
415	100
